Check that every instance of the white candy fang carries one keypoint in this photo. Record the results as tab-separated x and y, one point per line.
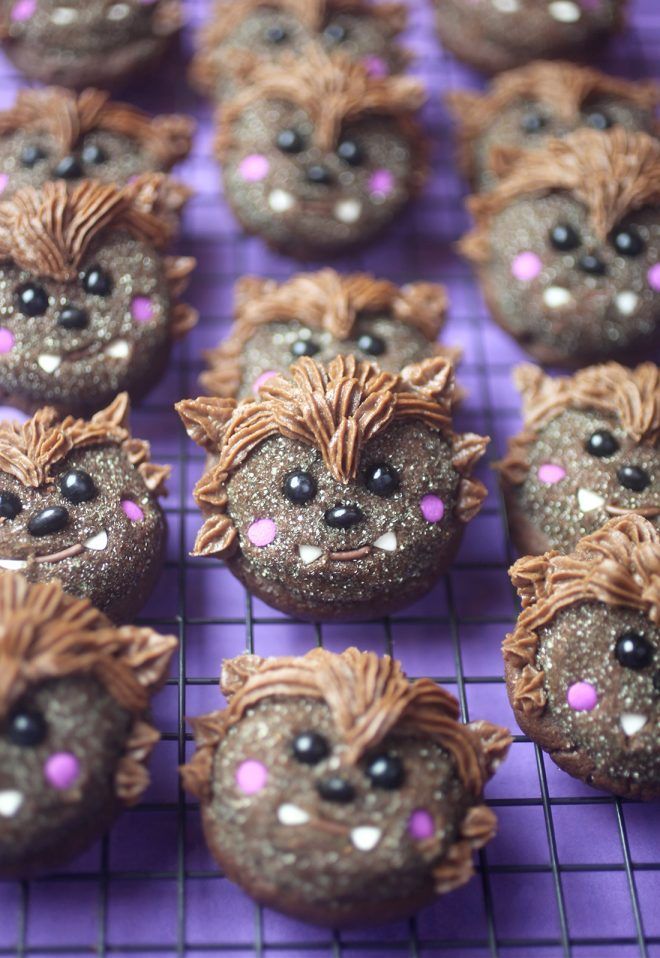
588	500
565	11
49	362
365	837
627	302
120	349
348	211
10	802
288	814
12	564
631	723
386	542
309	554
97	543
555	297
280	201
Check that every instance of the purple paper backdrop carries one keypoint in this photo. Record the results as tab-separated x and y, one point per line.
572	872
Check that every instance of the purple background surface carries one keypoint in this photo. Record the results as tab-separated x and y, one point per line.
572	871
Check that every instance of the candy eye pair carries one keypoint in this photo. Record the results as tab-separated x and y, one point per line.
26	729
602	444
535	122
277	34
381	479
626	241
92	154
76	486
292	141
384	771
32	299
366	343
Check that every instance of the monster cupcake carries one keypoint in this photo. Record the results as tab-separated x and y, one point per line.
588	450
496	35
363	30
340	491
322	315
96	43
79	502
55	134
567	248
337	791
583	663
74	740
87	295
317	154
524	108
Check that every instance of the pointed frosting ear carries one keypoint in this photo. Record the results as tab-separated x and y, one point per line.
407	93
248	288
502	159
116	414
206	419
495	743
147	653
433	377
423	305
236	672
534	386
461	102
529	577
217	537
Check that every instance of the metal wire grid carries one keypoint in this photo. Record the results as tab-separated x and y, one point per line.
159	910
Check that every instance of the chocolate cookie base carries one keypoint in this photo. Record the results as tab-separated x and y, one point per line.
527	538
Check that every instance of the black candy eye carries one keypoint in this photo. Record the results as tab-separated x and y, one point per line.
382	479
10	505
602	444
31	155
77	486
290	141
32	299
533	122
310	748
335	33
628	242
304	347
374	345
93	154
276	34
563	237
386	771
598	120
350	152
97	282
634	478
26	729
299	487
633	650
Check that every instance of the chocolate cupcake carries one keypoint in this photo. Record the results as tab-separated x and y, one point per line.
363	30
496	35
588	450
337	791
341	491
583	664
324	315
87	296
96	43
317	154
74	693
55	134
567	248
79	502
524	108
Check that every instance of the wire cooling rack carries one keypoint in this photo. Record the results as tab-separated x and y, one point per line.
573	872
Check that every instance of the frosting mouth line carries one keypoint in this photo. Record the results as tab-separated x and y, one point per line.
350	555
648	512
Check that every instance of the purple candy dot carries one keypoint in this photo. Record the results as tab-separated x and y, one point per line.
132	510
582	697
433	508
142	309
381	181
421	824
654	277
376	66
262	532
251	776
526	266
62	770
23	10
254	167
263	378
7	339
550	473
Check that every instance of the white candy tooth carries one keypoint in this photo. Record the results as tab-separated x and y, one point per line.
627	302
280	201
565	11
387	542
63	16
631	723
10	802
12	564
506	6
309	554
292	815
365	837
589	500
98	542
348	211
120	349
49	362
555	297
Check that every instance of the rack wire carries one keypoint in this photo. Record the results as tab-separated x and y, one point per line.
573	873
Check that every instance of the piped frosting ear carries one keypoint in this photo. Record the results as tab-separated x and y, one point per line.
236	672
206	419
116	414
147	654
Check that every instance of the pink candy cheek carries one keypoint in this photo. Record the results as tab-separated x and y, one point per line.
6	340
550	473
142	309
526	267
432	507
262	532
62	770
254	168
23	10
251	776
4	179
421	825
381	183
260	380
132	510
582	697
654	277
376	66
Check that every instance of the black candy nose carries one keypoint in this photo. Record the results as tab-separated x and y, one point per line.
336	789
594	265
319	174
343	517
71	317
68	169
48	521
634	478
